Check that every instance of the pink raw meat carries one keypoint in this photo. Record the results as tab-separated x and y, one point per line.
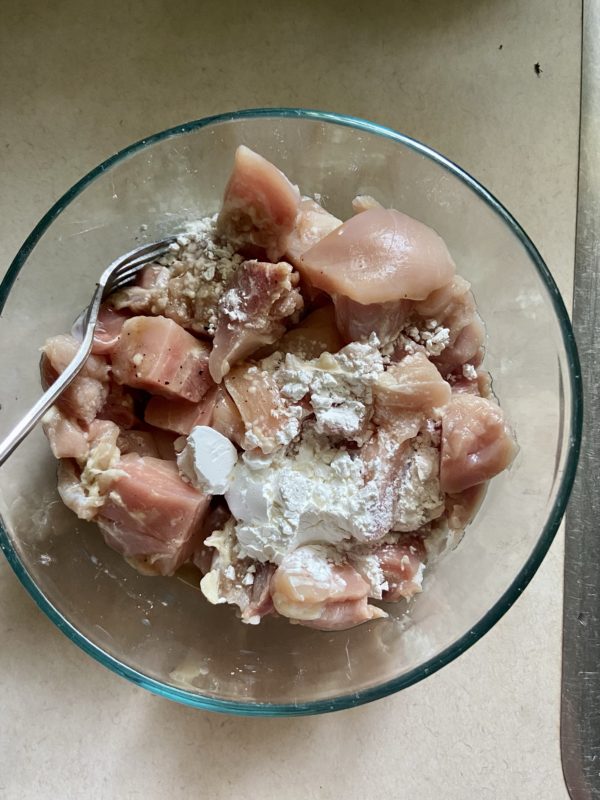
84	398
180	416
378	256
476	443
156	354
317	593
312	224
251	312
108	329
67	439
401	564
151	515
260	205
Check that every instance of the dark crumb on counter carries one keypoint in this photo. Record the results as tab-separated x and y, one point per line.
537	69
500	46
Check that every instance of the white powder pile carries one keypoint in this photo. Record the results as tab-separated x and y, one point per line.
314	493
432	336
338	387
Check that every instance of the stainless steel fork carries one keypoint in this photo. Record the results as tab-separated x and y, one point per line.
121	272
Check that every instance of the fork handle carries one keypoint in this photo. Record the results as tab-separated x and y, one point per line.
33	416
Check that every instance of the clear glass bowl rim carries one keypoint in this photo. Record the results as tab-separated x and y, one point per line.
552	523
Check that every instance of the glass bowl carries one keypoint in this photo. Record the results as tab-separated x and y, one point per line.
160	632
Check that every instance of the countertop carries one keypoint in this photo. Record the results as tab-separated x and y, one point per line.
79	81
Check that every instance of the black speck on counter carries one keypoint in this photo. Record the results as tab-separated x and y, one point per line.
537	69
500	46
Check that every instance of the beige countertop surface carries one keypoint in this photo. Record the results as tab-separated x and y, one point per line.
80	80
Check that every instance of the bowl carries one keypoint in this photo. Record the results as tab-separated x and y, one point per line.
160	632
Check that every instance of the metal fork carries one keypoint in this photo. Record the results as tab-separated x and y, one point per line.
121	272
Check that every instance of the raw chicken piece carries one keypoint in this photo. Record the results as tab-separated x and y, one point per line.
260	205
180	416
412	384
251	312
60	350
312	224
156	354
467	348
447	301
83	487
215	520
227	419
316	334
310	589
268	420
236	581
141	442
476	443
364	202
153	276
141	298
402	564
453	306
343	615
119	406
461	508
378	256
87	394
401	466
357	321
151	516
73	494
108	329
67	439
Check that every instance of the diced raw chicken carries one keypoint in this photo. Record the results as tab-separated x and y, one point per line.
357	321
165	444
227	419
108	329
403	472
476	443
462	507
260	205
251	312
73	494
312	590
344	615
412	384
67	439
83	487
467	348
315	334
236	581
141	442
151	515
378	256
87	394
268	420
119	406
364	202
447	301
156	354
60	351
453	306
153	276
477	382
181	416
402	565
215	520
312	224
